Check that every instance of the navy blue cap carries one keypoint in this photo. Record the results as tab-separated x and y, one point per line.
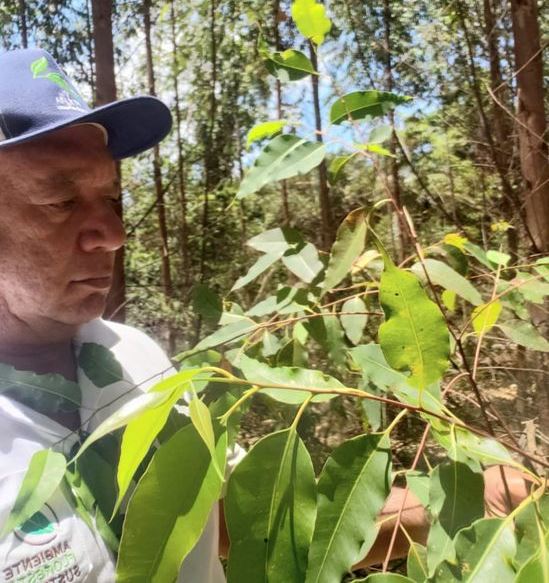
37	98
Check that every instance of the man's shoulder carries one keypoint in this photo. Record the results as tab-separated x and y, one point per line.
136	351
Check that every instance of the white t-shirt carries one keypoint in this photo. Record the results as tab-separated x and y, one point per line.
58	546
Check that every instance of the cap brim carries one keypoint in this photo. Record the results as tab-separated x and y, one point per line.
133	125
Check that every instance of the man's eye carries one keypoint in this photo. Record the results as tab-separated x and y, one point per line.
63	205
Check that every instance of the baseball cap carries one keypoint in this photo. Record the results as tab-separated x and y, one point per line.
36	98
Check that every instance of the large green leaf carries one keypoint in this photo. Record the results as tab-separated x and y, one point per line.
42	478
349	244
354	323
267	129
99	364
311	20
525	334
414	336
529	523
141	432
236	330
289	65
484	552
536	568
352	489
270	510
360	104
283	157
260	266
202	421
485	316
169	508
256	371
374	367
443	275
456	500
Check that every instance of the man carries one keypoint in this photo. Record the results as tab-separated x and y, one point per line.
58	236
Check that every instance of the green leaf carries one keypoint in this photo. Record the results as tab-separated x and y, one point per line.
456	499
202	421
99	364
360	104
169	509
418	483
311	20
377	149
276	241
336	166
349	244
443	275
485	316
536	568
60	81
230	333
267	129
207	303
414	336
380	134
498	258
123	415
352	489
39	66
525	334
289	65
484	552
353	324
416	564
283	157
41	480
327	331
449	299
255	371
141	432
260	266
303	262
270	510
531	289
529	523
375	369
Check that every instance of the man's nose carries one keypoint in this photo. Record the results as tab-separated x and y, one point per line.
102	229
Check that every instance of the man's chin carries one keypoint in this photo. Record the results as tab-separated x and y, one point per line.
84	311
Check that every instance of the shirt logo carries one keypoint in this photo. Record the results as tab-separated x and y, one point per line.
40	529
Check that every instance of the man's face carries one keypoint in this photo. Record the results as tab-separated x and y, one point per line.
58	227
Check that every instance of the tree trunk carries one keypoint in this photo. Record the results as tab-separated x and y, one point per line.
105	92
157	172
180	159
23	23
326	213
531	115
394	179
501	121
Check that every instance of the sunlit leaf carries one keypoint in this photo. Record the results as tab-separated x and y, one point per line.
449	299
41	480
311	20
169	508
259	267
270	510
456	240
303	262
416	564
414	336
202	421
352	489
360	104
283	157
263	130
485	316
253	370
498	258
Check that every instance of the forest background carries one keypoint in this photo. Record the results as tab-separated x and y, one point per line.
466	156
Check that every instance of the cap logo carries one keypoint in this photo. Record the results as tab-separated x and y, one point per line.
67	98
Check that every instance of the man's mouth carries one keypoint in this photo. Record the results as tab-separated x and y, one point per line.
96	282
